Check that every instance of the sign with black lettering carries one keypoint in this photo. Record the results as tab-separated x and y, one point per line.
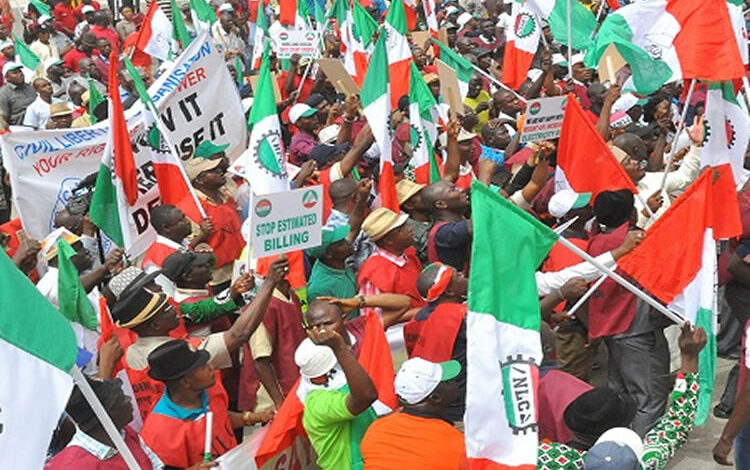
543	119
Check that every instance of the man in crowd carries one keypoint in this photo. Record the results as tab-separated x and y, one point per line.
16	95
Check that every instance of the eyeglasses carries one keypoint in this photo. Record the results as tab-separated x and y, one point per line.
642	164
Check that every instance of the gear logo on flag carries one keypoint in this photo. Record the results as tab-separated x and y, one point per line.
268	151
417	140
520	379
309	199
731	133
525	25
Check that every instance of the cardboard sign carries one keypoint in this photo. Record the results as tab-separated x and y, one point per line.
543	118
610	63
286	221
304	43
421	38
338	76
274	80
449	87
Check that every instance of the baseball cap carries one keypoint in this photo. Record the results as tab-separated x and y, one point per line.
322	153
418	378
10	66
329	134
463	18
300	110
329	235
559	59
87	9
314	360
534	74
208	149
618	448
624	102
405	189
381	221
566	200
576	58
52	61
226	7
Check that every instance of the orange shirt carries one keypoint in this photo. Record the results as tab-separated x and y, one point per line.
401	440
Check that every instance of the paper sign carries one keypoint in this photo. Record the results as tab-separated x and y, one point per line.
338	76
420	38
543	119
288	42
610	63
443	36
449	87
274	80
286	221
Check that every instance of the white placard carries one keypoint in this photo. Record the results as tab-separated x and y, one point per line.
543	119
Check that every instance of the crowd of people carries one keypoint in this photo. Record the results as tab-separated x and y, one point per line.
193	336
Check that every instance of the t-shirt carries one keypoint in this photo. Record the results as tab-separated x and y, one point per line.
452	242
332	282
403	441
327	421
72	58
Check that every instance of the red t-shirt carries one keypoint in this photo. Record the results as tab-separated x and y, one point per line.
64	16
388	277
79	14
78	458
72	58
108	34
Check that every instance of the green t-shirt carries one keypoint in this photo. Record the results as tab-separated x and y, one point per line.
327	422
332	282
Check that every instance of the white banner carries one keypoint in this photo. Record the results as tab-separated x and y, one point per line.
300	455
290	41
543	119
198	100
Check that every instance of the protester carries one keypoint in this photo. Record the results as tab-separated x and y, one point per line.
16	95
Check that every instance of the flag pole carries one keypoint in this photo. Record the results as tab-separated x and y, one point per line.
624	283
570	46
103	417
746	91
586	296
672	151
498	82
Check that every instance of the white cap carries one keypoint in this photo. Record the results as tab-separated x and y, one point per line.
565	200
50	62
314	360
418	378
559	59
43	19
87	9
11	66
226	7
625	436
534	74
329	134
300	110
576	58
624	102
6	43
463	18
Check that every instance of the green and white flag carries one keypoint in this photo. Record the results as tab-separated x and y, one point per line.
423	118
739	26
38	350
502	332
727	126
27	57
582	21
265	166
179	30
95	98
463	68
203	15
72	300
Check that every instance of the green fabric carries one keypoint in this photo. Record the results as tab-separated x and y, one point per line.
327	421
706	366
502	282
203	11
364	24
240	68
95	98
419	92
179	30
648	74
30	322
264	103
200	311
582	24
104	212
208	149
464	69
42	8
375	84
328	281
338	11
396	16
303	11
26	55
727	91
140	87
74	305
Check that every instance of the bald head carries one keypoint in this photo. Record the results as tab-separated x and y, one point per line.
341	190
631	144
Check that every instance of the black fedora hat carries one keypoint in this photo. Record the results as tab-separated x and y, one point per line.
175	359
597	410
180	262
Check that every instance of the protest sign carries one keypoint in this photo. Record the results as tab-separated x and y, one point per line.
449	87
299	455
610	63
543	119
338	76
46	165
293	41
198	101
286	221
274	81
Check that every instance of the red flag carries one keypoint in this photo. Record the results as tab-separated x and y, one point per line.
288	11
584	161
121	150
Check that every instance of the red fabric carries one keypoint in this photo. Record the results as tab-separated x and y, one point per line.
706	45
145	33
72	58
288	11
139	58
389	278
64	16
226	239
109	34
179	443
156	254
76	457
557	389
283	430
79	14
584	157
296	274
434	338
376	360
325	179
388	195
432	254
174	188
560	258
145	389
516	64
612	307
304	92
12	228
124	163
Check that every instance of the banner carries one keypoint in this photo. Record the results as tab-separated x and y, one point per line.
290	41
198	100
46	165
543	119
300	455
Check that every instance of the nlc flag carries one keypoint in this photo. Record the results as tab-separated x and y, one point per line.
502	333
677	259
37	350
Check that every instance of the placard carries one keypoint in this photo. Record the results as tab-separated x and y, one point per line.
449	87
288	42
543	118
338	76
286	221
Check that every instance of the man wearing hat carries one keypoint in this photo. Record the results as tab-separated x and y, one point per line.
84	7
394	266
304	118
222	227
37	114
153	318
410	201
176	428
330	276
16	95
44	49
86	21
91	447
224	31
327	366
418	436
60	116
85	46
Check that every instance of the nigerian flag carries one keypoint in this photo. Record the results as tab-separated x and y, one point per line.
502	332
727	127
423	118
95	98
265	154
464	69
27	57
38	350
203	15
